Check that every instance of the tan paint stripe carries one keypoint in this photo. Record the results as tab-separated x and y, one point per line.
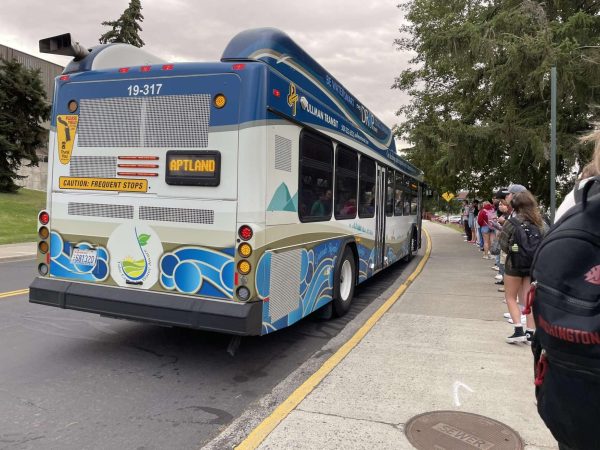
13	293
259	434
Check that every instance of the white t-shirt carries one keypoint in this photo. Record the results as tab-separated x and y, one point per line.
569	201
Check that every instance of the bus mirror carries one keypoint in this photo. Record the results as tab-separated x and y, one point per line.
63	45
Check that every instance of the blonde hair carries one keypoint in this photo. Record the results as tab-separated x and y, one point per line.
593	167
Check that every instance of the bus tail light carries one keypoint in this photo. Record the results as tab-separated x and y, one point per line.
43	233
43	247
245	232
244	267
243	293
245	250
43	269
44	218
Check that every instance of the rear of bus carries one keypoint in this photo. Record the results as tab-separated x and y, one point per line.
142	214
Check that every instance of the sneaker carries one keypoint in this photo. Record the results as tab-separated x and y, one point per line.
530	334
496	268
507	315
499	282
501	289
517	336
498	277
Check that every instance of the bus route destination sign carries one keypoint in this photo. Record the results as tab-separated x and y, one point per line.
193	167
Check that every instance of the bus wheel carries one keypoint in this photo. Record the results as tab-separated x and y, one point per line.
344	283
412	245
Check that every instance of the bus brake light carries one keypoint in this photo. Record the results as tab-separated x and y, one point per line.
124	70
245	232
238	66
168	67
44	218
145	68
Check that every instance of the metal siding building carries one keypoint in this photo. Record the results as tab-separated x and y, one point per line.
36	176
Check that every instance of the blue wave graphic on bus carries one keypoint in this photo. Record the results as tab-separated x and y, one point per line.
201	271
366	260
316	283
61	266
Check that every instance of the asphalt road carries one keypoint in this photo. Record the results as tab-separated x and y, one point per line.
72	380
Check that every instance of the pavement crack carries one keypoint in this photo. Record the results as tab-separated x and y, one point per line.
349	417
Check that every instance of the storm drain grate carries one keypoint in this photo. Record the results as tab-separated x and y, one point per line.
455	430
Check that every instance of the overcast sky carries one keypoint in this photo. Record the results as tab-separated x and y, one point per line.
352	39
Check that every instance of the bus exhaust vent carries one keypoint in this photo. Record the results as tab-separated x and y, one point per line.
283	154
161	214
93	166
285	283
173	121
100	210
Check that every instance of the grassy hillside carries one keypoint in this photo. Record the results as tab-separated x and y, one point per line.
18	215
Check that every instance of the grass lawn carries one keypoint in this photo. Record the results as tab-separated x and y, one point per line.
18	215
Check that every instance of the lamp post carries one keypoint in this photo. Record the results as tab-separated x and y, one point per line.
552	143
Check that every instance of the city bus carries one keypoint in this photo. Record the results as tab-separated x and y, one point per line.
236	196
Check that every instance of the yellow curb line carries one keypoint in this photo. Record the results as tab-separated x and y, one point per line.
13	293
259	434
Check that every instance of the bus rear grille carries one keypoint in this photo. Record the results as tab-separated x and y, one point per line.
93	166
179	121
100	210
285	283
205	216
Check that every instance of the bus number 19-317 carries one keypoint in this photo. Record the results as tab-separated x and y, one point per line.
146	89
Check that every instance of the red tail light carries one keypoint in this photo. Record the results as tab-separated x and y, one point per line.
145	68
44	218
245	232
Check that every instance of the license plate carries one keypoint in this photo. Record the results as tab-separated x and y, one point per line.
83	257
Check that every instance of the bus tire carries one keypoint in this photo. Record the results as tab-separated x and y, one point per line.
344	283
412	246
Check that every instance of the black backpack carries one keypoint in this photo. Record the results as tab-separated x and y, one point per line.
527	237
565	298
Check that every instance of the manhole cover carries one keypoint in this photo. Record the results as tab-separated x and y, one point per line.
455	430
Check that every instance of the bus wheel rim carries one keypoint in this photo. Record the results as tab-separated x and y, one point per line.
345	280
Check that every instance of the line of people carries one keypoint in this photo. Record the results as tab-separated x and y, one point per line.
494	229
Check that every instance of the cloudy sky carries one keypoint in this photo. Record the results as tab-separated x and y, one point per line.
352	39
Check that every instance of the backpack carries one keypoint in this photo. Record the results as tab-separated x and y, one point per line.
565	299
526	238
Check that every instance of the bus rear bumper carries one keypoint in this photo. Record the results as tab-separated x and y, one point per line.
146	306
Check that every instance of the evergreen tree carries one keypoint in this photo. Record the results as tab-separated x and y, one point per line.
126	29
480	86
23	108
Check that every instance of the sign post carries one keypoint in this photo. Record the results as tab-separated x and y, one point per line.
448	196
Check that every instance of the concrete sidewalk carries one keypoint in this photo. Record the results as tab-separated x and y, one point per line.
440	347
16	252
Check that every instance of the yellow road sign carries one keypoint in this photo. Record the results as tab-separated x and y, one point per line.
447	196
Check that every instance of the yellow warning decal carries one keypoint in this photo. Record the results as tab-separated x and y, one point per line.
66	127
103	184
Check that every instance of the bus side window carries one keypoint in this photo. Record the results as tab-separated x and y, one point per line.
406	203
366	189
413	205
316	178
389	195
398	197
346	182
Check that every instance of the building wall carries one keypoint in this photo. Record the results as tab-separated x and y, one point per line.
36	176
